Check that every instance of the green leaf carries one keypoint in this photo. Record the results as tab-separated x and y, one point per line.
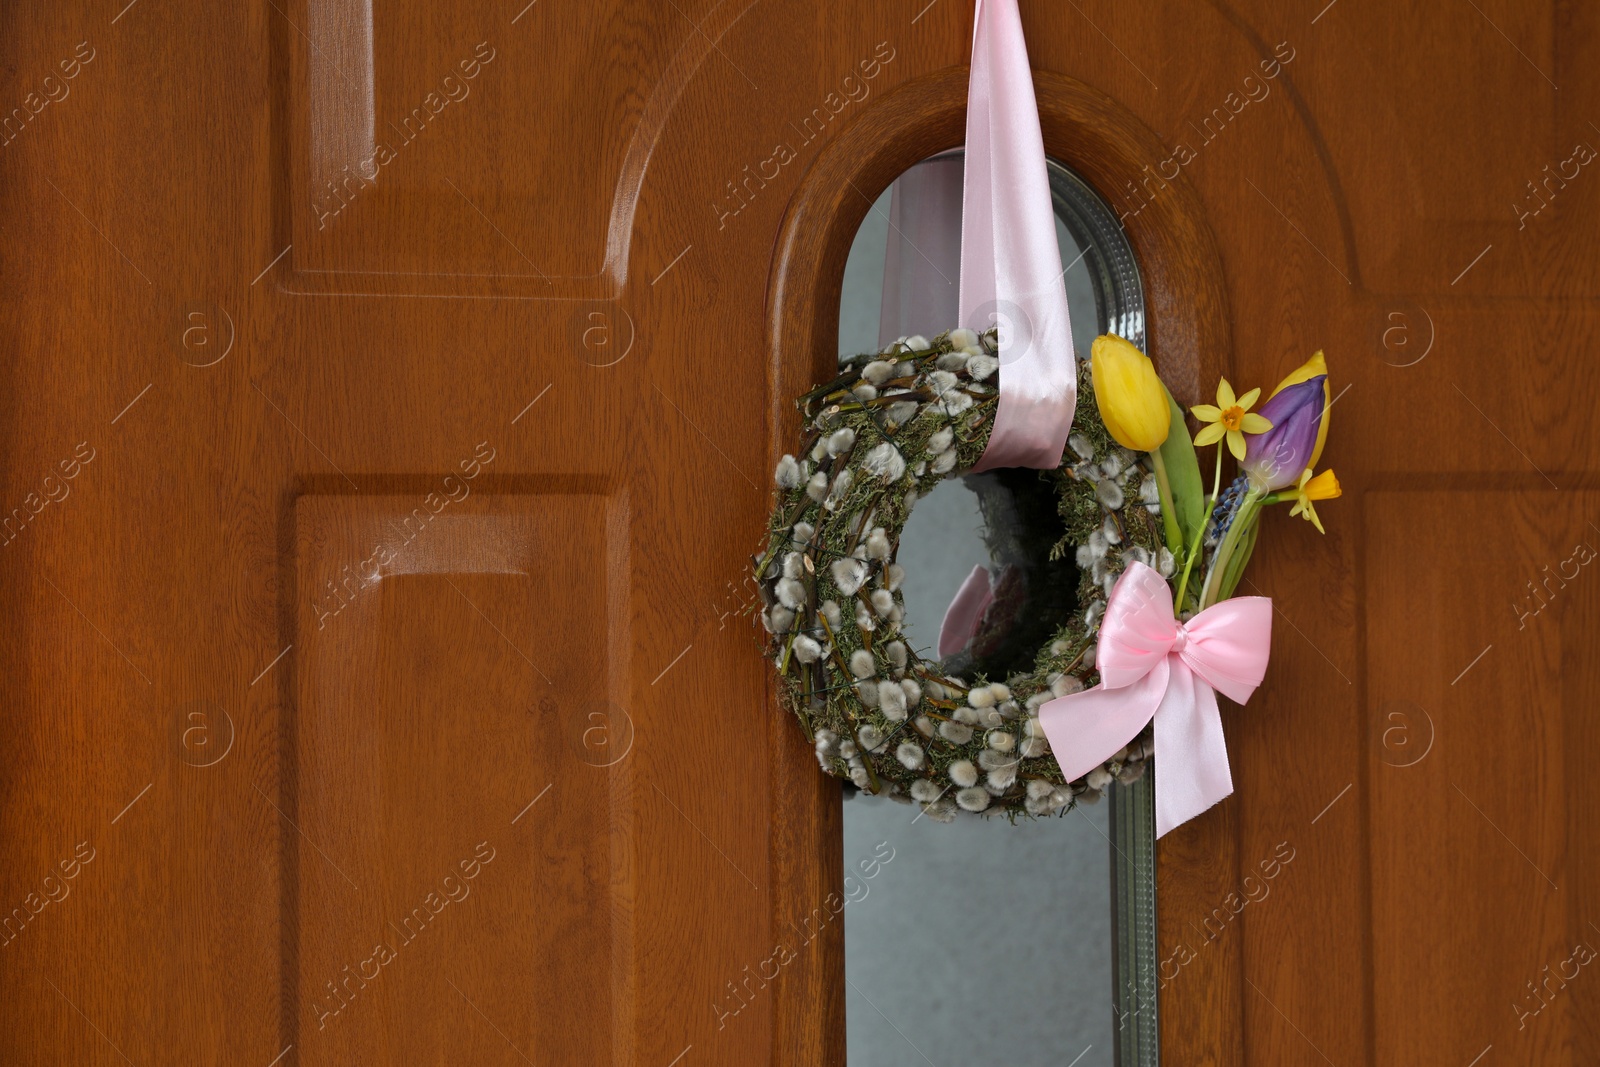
1241	554
1183	474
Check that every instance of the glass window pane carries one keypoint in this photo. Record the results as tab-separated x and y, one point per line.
979	942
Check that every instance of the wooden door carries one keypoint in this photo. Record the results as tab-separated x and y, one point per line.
373	693
389	396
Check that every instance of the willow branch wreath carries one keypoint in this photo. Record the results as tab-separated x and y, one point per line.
879	436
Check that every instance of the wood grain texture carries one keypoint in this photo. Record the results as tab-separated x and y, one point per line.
600	228
1511	868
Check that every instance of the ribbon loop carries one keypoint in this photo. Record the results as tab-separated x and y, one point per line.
1011	272
1153	666
965	612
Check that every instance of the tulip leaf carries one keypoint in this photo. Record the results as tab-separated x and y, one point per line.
1241	554
1183	474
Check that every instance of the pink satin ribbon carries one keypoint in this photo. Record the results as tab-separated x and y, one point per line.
1152	665
1011	272
922	255
965	612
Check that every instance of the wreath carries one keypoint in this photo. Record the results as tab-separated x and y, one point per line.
1118	554
961	734
1127	506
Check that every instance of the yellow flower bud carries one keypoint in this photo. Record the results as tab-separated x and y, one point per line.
1133	403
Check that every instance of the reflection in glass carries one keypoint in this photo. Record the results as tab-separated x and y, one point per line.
974	942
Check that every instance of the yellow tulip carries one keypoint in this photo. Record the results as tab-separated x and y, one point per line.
1306	371
1132	401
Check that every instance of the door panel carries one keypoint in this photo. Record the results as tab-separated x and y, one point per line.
592	255
1498	779
419	153
420	706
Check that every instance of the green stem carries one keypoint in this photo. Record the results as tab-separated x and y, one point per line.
1194	549
1169	513
1240	560
1249	508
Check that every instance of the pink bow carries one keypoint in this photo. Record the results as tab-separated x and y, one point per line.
1152	665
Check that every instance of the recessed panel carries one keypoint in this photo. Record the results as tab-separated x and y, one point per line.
1480	713
459	142
459	884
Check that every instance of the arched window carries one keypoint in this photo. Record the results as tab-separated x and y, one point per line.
979	942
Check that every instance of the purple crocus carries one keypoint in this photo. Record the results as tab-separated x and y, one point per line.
1277	458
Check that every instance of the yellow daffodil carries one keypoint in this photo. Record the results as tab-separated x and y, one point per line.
1323	487
1132	401
1231	417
